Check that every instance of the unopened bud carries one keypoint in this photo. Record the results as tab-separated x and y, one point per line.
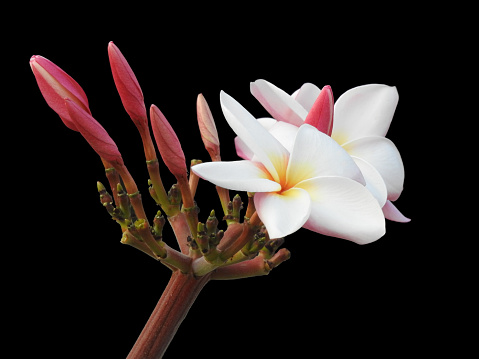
271	247
192	243
104	195
158	224
257	244
112	211
174	195
56	85
202	238
237	206
322	112
168	143
144	231
212	224
94	133
128	87
207	126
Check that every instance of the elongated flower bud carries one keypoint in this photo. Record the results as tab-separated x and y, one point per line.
168	143
56	85
94	133
128	87
207	126
321	114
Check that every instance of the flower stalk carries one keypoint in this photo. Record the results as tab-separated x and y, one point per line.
133	192
132	99
256	267
160	195
209	135
193	179
113	178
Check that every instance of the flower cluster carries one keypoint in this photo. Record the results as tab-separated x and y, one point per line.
324	166
308	171
317	164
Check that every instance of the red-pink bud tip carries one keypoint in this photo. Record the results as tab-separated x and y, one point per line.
322	113
55	85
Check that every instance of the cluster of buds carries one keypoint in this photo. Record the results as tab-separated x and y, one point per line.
242	249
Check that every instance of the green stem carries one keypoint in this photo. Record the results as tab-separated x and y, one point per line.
162	197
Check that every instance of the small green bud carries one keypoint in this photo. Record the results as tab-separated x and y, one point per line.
158	224
140	223
195	162
104	195
192	243
123	201
212	224
219	236
100	187
271	247
237	205
257	244
174	195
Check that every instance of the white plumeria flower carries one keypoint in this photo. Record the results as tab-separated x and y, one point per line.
362	117
316	185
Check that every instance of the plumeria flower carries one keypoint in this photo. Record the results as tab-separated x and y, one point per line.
362	117
316	185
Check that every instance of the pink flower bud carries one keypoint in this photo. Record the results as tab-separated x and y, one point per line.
56	85
321	114
128	87
94	133
168	143
208	131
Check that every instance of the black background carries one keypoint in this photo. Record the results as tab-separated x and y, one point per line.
77	292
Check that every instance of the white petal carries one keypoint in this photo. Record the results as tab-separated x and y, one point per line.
244	151
316	154
364	111
237	175
383	155
284	213
265	147
278	103
343	208
267	122
374	182
392	213
306	95
285	133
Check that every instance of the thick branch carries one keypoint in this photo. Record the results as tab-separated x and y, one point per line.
167	316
